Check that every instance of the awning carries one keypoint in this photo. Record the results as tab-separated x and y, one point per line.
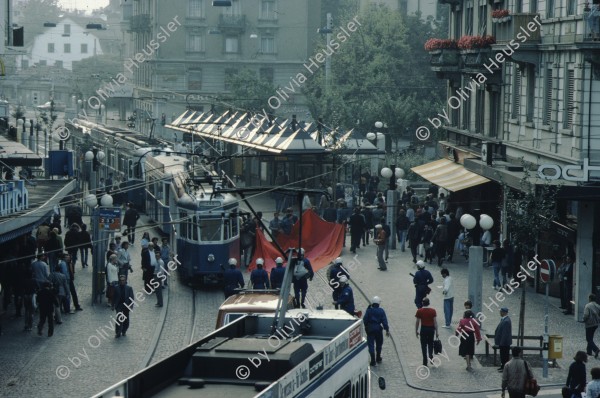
449	175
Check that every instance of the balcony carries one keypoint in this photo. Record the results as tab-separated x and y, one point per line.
591	25
476	58
232	22
140	23
446	60
522	25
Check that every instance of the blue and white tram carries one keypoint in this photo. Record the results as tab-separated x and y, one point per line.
208	236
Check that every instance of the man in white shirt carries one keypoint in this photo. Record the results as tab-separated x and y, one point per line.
124	259
448	297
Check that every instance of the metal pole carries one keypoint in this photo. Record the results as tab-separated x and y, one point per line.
328	58
95	239
392	213
545	351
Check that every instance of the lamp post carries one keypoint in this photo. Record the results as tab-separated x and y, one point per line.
392	199
476	257
89	160
29	126
99	242
376	138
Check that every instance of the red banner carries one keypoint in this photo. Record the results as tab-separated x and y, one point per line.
322	242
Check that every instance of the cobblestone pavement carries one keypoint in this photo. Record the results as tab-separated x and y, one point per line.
28	363
402	353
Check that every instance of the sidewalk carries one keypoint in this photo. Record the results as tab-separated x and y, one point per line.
397	291
74	363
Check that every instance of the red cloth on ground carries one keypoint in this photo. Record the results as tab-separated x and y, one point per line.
322	242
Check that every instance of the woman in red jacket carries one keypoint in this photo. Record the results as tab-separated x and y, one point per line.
468	332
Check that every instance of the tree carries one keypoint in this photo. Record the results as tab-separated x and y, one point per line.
249	92
94	73
380	73
528	211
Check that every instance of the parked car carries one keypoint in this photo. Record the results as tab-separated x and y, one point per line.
58	106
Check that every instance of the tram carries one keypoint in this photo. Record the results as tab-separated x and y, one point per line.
320	353
186	204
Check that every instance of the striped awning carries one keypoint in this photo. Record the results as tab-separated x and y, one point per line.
449	175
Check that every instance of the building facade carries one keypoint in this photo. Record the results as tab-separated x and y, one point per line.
524	93
191	47
427	8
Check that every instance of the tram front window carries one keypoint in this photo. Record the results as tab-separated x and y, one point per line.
210	230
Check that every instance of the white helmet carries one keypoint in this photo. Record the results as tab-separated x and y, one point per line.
376	300
279	260
302	250
420	264
337	260
343	279
232	261
260	261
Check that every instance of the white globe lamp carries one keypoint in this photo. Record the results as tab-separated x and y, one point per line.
378	125
106	200
399	173
370	136
386	172
89	156
91	200
468	221
100	155
486	222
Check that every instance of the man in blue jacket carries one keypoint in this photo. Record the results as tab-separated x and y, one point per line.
503	337
301	282
422	280
277	274
346	298
375	322
259	277
232	278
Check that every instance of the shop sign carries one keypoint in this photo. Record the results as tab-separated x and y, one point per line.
564	171
13	197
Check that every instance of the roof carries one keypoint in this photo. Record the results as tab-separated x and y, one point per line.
449	175
15	154
278	136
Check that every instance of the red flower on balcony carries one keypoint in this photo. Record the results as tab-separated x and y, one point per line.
500	13
440	44
475	42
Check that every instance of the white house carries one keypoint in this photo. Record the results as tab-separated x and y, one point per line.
61	45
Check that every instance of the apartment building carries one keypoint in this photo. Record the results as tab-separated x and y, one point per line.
524	85
190	47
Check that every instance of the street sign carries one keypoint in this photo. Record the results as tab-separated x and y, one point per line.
547	271
109	219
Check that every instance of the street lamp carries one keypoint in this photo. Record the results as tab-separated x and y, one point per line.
476	256
89	159
99	242
392	199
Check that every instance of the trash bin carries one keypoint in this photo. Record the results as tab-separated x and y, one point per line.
555	347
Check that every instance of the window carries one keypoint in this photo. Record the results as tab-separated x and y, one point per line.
483	15
547	111
43	62
266	74
67	48
196	9
58	64
533	7
231	44
480	111
195	79
494	113
24	64
195	228
229	74
549	8
210	230
235	9
469	20
267	9
568	100
183	225
458	24
516	92
519	5
84	48
267	45
50	47
343	392
194	42
67	31
530	92
571	5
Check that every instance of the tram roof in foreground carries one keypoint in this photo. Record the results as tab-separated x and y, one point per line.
276	136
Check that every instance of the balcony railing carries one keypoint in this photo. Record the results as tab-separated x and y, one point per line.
140	23
445	57
232	21
591	24
518	23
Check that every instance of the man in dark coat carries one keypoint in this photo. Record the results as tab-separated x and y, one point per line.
130	221
422	280
375	322
345	299
503	337
414	239
335	273
46	299
259	277
301	283
147	268
72	242
277	274
122	302
453	232
330	213
368	215
232	279
566	271
357	229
